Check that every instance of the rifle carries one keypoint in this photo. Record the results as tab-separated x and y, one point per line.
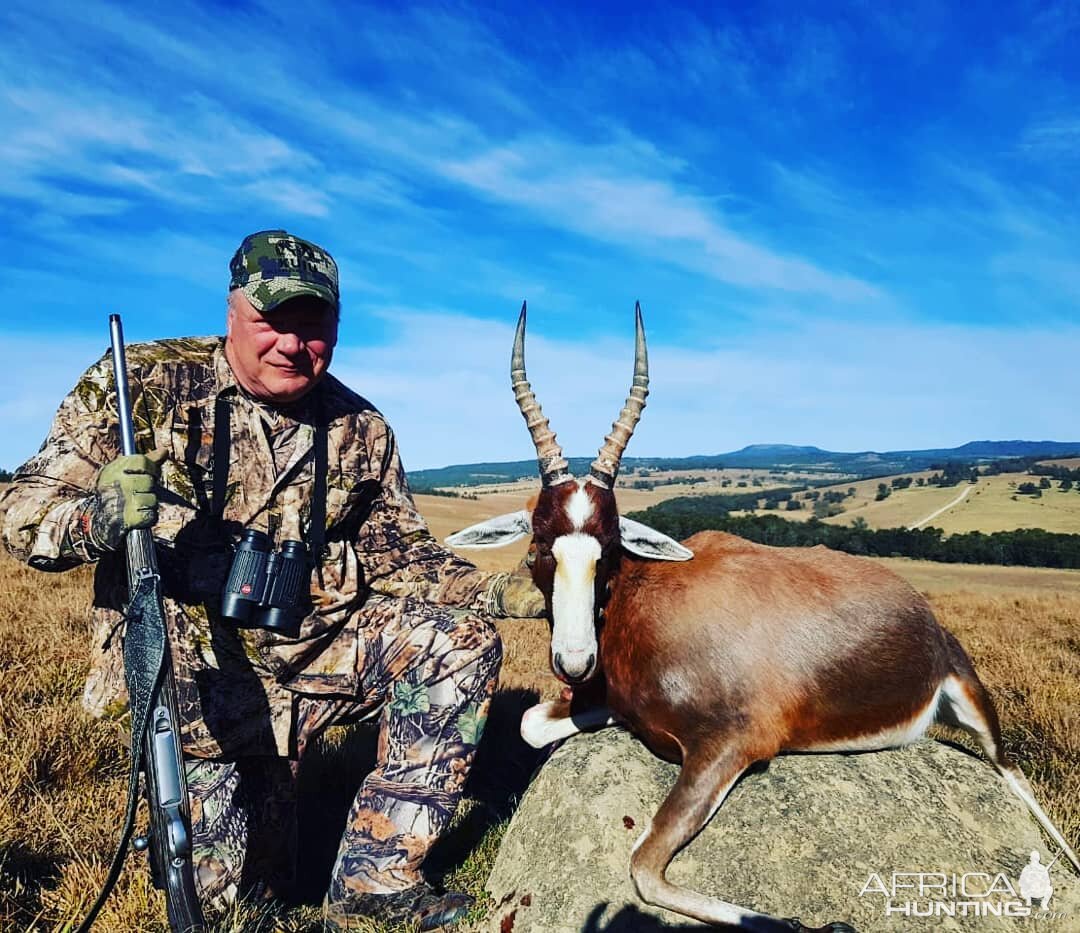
156	750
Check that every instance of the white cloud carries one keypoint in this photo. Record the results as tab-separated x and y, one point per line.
591	190
442	378
464	177
1054	138
623	190
62	134
840	387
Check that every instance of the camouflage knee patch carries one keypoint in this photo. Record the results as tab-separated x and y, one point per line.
243	817
218	830
441	675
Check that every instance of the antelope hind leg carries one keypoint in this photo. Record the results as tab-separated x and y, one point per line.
966	705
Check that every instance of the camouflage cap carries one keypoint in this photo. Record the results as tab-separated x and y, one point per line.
272	266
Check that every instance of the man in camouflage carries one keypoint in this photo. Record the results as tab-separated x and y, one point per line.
395	626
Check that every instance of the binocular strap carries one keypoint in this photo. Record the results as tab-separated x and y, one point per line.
222	453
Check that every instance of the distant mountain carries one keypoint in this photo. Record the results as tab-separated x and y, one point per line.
992	449
763	457
779	450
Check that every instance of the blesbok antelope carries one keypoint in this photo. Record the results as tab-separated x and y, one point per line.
727	659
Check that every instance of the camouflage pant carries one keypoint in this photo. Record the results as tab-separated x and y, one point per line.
433	672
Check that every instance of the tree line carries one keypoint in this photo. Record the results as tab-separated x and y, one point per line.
1055	471
1025	547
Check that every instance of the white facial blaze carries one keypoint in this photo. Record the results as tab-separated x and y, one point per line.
579	507
573	637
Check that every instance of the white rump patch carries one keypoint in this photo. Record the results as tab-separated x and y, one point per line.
967	715
893	737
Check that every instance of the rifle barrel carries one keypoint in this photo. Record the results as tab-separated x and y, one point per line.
123	394
140	541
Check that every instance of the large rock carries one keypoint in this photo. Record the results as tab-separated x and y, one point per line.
812	836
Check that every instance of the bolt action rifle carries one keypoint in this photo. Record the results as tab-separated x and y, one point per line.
155	722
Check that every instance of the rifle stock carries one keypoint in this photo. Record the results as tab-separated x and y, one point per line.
170	818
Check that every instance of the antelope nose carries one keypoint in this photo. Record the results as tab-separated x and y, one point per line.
574	667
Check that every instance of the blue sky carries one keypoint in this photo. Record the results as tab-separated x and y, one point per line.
850	225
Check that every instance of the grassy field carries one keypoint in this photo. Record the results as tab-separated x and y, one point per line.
994	505
991	504
983	579
63	773
669	483
64	780
901	508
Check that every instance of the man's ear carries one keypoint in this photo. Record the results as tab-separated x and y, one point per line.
647	542
230	310
495	532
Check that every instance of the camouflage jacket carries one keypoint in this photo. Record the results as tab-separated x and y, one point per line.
229	679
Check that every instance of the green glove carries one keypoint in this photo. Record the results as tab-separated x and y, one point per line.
125	499
520	599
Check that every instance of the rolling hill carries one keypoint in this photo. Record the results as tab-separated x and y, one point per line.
863	464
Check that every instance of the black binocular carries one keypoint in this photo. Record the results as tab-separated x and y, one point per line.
266	588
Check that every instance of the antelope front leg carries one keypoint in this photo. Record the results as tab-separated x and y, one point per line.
703	783
553	721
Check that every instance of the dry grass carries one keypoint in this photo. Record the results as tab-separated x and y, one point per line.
991	505
64	779
982	579
496	498
1026	648
902	508
63	774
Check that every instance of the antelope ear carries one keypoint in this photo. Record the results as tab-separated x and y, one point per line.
646	542
495	532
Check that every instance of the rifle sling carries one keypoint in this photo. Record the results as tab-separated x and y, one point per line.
144	661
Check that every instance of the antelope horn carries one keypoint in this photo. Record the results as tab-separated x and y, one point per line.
605	467
553	468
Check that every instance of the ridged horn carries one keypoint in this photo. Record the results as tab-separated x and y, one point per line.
605	467
553	467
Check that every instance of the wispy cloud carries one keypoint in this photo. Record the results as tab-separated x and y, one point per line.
582	189
58	139
622	191
793	196
864	387
1057	137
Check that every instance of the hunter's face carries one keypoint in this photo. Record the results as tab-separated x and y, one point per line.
281	356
